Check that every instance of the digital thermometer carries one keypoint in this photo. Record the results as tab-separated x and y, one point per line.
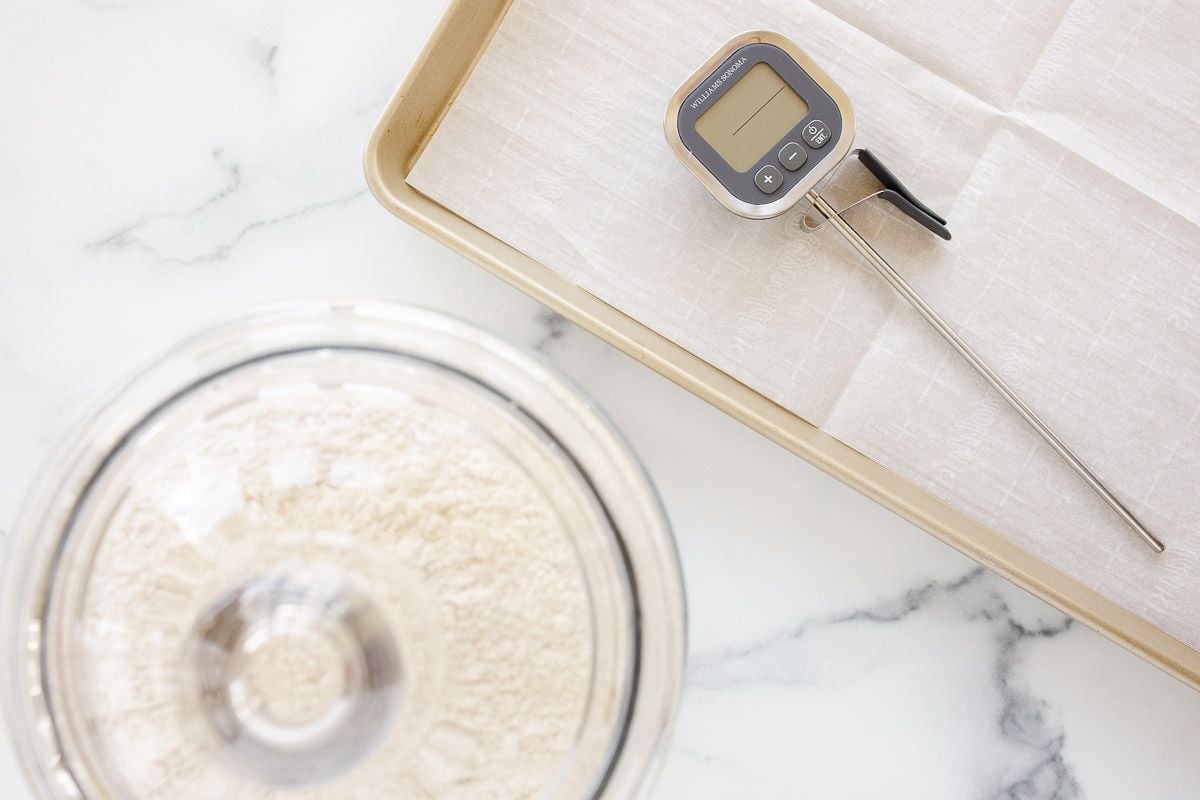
760	124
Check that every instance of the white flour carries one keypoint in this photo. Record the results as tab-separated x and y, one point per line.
448	538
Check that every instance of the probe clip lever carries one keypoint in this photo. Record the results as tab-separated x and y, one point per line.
892	190
898	195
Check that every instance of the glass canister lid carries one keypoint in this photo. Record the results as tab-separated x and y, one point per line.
348	551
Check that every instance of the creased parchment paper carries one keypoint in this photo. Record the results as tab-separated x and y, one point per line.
1060	139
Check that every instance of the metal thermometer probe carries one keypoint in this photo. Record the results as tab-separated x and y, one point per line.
938	324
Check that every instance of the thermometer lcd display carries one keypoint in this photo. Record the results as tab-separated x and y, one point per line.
751	117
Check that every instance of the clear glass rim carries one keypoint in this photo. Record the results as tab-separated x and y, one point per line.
650	557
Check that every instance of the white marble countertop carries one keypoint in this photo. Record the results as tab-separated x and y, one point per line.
164	163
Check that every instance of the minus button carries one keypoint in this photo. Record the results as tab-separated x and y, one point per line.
792	156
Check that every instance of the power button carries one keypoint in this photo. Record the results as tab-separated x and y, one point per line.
816	134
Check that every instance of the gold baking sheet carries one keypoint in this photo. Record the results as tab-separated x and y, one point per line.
407	123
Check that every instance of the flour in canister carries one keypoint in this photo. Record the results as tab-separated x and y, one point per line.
452	542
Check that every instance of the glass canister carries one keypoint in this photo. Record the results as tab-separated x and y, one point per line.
342	550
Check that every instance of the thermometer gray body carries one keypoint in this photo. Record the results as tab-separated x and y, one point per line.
760	124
